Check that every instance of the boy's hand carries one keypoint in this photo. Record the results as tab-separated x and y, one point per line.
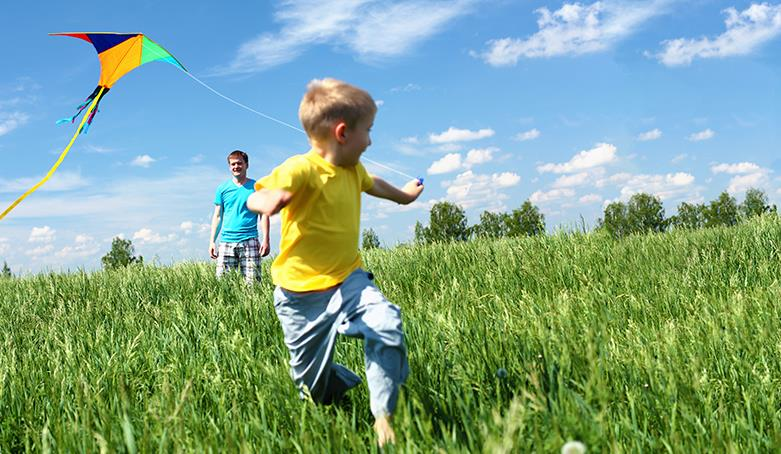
268	201
413	189
264	248
212	250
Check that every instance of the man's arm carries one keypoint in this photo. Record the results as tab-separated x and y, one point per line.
384	190
264	228
215	226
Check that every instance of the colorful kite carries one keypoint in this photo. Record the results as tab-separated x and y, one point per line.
119	54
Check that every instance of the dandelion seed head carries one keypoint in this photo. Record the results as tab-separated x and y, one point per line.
573	447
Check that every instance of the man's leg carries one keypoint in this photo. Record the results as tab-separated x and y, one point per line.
226	258
250	260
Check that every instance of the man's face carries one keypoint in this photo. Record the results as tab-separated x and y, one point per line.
238	167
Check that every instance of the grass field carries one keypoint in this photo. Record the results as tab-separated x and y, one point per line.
654	343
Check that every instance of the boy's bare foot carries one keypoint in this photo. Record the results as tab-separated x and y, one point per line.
385	433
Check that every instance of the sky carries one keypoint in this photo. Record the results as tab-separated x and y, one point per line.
569	105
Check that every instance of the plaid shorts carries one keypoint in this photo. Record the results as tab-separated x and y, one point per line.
243	256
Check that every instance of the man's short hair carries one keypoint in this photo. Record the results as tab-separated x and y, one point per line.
328	101
239	154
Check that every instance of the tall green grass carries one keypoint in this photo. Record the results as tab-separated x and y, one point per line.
666	342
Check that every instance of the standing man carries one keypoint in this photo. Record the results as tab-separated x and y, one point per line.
239	247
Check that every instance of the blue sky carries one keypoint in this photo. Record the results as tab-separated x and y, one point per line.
571	105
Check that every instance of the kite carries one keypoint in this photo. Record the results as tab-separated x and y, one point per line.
119	53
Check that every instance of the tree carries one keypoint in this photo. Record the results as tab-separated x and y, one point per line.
421	233
755	204
369	239
615	220
447	222
690	216
645	213
526	221
120	255
722	211
6	270
492	225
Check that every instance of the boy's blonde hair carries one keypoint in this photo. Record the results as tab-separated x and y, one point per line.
328	101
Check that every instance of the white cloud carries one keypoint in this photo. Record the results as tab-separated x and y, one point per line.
602	153
453	161
471	190
740	183
540	197
566	181
590	198
82	239
98	149
665	187
528	135
413	140
702	135
747	175
450	147
746	31
186	226
4	246
61	181
460	135
679	158
43	234
650	135
143	161
40	252
406	88
449	163
741	167
479	156
146	235
83	246
372	29
618	178
574	29
506	179
11	121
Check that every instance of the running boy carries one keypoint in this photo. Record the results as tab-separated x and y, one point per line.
321	290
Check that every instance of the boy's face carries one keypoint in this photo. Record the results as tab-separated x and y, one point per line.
238	168
356	141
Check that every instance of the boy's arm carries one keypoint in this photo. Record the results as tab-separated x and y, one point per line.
268	201
264	228
215	225
404	196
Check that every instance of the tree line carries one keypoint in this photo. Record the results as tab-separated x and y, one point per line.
643	213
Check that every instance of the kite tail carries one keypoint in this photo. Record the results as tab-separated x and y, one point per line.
64	153
98	94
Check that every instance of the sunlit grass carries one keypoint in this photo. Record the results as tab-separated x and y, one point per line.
653	343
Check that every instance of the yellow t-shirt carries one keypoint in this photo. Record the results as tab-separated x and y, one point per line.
320	224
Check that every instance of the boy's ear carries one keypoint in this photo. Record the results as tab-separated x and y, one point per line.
340	132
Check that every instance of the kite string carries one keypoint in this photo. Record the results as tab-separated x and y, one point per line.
59	161
284	123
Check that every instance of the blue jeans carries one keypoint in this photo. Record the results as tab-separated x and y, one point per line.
356	308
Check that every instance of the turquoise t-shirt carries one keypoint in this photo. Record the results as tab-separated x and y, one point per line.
238	222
